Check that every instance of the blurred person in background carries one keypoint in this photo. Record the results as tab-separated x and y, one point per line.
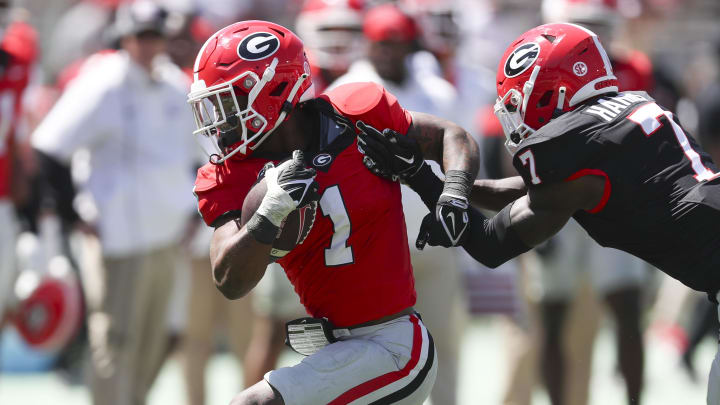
127	111
571	259
393	37
72	31
703	321
274	302
18	49
208	313
332	33
442	36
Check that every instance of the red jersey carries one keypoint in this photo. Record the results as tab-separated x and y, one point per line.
354	266
19	43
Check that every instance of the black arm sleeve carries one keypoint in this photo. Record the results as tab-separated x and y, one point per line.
57	189
427	185
492	241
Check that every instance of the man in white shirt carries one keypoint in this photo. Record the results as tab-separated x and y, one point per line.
127	109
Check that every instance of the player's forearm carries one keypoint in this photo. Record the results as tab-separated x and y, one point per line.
460	152
492	241
446	143
496	194
238	260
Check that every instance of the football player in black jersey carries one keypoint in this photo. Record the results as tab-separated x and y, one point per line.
619	164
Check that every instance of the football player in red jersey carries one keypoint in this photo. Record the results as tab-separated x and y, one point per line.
18	48
254	105
616	162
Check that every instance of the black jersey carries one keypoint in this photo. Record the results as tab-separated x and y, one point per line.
662	197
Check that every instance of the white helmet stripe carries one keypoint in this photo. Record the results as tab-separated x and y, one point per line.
603	54
605	58
200	55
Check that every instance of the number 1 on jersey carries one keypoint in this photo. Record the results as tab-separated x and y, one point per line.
333	206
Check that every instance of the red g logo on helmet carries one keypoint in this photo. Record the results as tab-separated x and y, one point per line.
258	46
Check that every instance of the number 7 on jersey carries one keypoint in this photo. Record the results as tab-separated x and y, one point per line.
528	159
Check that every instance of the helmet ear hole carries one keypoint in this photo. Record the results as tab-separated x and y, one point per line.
545	99
278	90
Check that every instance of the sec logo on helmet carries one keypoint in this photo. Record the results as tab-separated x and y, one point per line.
258	45
521	59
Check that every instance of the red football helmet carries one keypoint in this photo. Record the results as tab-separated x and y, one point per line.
545	72
440	32
332	32
247	78
50	308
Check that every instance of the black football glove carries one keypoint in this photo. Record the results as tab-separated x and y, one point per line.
389	154
448	225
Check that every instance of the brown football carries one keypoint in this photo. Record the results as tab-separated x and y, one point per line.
294	229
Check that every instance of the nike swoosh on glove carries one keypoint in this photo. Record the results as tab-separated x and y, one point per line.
389	154
447	226
289	186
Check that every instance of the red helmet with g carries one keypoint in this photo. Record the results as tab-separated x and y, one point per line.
545	72
247	79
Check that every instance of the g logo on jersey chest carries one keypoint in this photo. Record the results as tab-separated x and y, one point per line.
322	160
521	59
258	45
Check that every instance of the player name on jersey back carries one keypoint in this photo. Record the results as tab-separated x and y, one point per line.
608	108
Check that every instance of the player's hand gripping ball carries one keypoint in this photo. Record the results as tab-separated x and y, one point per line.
300	187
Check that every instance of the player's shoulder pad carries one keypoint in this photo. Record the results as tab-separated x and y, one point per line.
222	188
370	103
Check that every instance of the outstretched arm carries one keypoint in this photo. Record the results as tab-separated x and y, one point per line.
393	155
530	220
494	194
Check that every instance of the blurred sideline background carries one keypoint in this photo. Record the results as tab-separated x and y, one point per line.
488	325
